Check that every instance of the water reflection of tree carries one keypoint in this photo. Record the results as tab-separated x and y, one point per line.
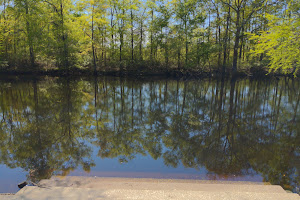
231	128
39	131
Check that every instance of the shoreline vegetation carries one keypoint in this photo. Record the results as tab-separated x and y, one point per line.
152	37
145	72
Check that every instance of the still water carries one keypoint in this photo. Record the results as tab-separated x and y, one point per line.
244	130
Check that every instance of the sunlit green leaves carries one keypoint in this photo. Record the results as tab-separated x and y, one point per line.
280	43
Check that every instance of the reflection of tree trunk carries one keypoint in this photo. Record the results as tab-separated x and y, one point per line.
159	97
278	108
184	95
151	96
141	103
234	114
177	101
229	123
296	108
132	105
122	98
166	95
114	102
36	108
69	105
220	107
214	99
96	109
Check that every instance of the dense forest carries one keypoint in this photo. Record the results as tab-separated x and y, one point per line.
155	35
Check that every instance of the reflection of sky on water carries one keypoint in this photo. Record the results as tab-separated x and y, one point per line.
146	167
9	178
139	167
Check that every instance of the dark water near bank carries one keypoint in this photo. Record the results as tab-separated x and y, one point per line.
205	129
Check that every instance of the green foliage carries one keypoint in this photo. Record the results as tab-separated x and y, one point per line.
280	44
154	34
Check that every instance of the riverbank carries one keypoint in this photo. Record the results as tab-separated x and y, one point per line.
146	72
131	188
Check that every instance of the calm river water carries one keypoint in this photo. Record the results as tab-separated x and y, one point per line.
242	130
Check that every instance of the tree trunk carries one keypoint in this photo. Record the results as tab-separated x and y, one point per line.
141	40
236	42
166	52
225	42
121	42
112	33
93	47
242	38
131	16
218	39
29	36
64	38
151	38
4	30
178	57
186	42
